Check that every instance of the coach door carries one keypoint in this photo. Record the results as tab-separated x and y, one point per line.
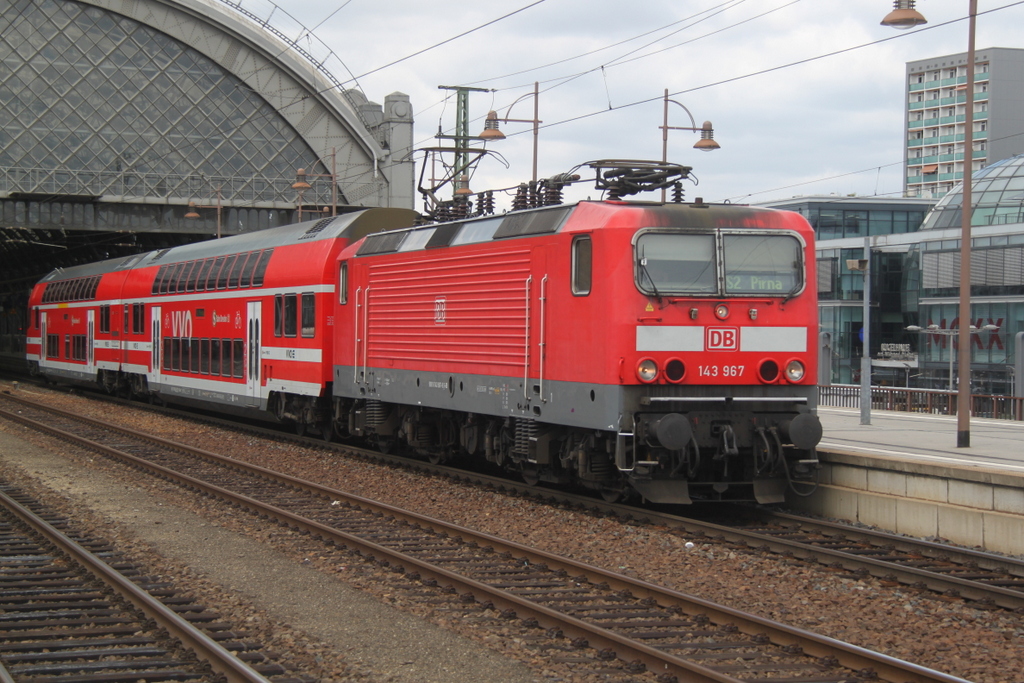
253	359
90	340
44	347
156	346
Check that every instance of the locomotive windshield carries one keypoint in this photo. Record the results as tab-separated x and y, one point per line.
726	264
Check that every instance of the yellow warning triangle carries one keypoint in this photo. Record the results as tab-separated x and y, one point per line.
649	307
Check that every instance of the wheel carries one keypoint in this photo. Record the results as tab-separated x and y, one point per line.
530	476
327	431
613	495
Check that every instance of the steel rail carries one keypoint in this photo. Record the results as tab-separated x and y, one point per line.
880	568
850	656
207	649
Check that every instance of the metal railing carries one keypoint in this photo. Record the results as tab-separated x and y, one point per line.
934	401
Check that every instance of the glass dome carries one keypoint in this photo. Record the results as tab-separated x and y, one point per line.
997	195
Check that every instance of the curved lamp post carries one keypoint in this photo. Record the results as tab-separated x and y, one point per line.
492	132
902	17
707	133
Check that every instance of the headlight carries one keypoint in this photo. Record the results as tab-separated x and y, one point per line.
721	311
647	370
794	371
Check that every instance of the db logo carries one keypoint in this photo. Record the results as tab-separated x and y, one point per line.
439	310
722	339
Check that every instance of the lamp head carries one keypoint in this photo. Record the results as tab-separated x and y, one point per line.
707	139
904	16
300	181
192	214
491	131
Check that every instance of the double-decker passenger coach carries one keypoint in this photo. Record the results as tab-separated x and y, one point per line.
240	324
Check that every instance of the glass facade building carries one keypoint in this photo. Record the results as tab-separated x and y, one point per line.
915	281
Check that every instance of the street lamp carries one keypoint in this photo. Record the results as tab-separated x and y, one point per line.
707	134
943	332
905	16
192	214
492	132
301	184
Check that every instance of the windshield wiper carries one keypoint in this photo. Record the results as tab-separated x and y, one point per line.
642	262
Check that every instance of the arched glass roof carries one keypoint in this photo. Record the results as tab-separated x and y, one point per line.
90	90
997	194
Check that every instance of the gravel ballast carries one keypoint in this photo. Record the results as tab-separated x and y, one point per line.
268	571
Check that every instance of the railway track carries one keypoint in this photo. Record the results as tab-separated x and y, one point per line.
591	612
72	610
986	579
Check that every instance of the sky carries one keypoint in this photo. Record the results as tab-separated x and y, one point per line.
803	97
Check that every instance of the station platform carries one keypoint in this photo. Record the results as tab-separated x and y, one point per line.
925	438
904	473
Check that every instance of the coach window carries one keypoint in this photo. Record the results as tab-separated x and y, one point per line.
211	279
225	357
138	318
261	267
291	304
195	355
204	356
222	278
215	356
193	275
67	346
181	276
236	271
250	266
105	319
278	315
124	326
238	358
204	275
308	314
582	265
343	283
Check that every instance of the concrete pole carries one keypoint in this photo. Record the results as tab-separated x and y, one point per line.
865	359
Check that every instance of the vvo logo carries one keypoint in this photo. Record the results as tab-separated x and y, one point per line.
722	339
439	310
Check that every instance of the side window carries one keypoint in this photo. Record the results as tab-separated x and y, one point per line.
291	304
343	283
105	319
582	265
138	318
308	314
278	315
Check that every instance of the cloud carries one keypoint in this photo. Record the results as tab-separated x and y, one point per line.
792	128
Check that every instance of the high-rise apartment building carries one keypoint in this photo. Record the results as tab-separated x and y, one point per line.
936	94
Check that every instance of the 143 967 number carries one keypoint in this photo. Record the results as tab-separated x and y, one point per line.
720	370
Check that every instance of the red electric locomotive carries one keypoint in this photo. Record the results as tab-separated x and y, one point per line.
241	324
663	349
